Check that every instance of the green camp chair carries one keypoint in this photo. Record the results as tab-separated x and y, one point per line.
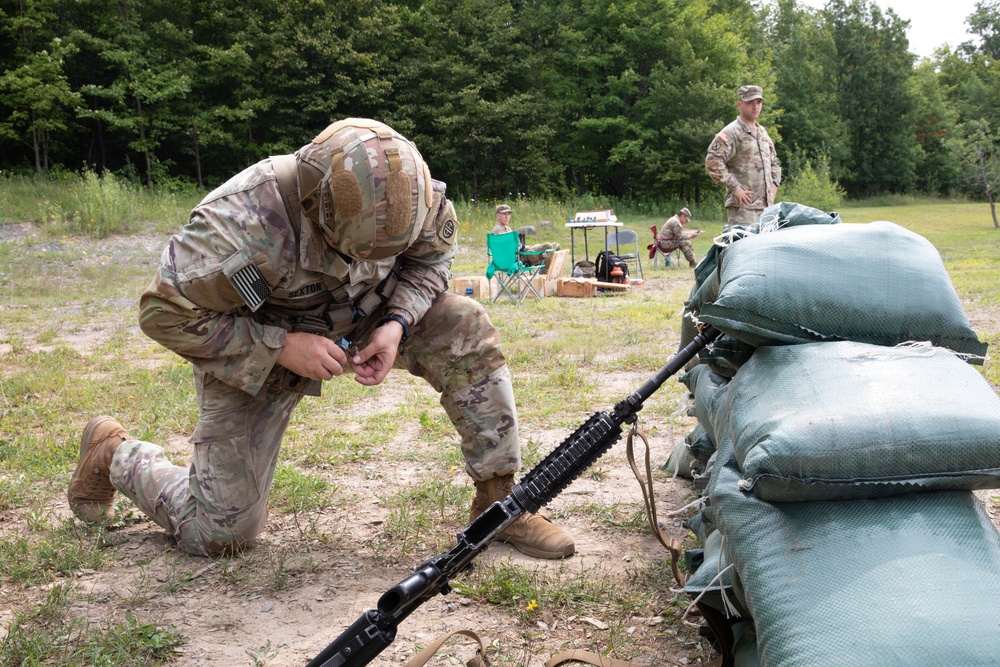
513	276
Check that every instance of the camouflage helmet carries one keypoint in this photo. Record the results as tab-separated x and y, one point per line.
366	186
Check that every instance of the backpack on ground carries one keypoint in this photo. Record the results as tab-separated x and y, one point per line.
607	261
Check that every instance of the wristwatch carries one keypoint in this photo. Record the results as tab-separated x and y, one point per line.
396	317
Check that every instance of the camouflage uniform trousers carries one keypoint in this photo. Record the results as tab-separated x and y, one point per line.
685	247
743	216
219	504
535	260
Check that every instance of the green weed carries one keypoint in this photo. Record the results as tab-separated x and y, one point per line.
298	492
50	635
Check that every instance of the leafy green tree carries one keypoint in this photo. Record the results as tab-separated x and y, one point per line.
979	151
465	92
641	88
813	187
39	99
142	81
873	69
705	58
805	67
984	22
934	119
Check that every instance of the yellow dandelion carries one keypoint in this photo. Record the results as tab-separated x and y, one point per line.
532	605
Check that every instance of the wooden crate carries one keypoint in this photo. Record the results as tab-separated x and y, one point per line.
558	265
540	284
576	287
479	285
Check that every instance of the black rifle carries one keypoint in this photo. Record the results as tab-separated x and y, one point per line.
376	629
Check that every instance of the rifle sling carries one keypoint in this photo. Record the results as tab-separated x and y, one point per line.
479	660
672	544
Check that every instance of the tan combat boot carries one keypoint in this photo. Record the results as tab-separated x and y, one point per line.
532	534
90	493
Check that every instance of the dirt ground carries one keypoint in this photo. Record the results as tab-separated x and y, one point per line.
229	624
336	573
224	623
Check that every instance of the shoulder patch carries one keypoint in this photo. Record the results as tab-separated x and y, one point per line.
447	231
246	278
251	286
724	136
716	145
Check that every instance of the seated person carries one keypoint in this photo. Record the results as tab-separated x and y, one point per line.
673	236
503	227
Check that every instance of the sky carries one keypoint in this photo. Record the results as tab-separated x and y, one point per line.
932	22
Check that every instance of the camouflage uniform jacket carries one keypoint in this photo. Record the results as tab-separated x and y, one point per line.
501	228
741	156
671	234
193	308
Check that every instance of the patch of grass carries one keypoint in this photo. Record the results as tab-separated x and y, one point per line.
583	593
297	492
47	553
619	516
265	569
68	203
422	518
51	635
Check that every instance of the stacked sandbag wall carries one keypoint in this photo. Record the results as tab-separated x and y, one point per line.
847	430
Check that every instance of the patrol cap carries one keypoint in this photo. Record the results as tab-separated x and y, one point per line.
686	213
503	208
748	93
366	186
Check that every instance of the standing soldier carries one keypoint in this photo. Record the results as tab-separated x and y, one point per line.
349	238
742	158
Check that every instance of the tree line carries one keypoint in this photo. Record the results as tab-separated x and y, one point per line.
616	98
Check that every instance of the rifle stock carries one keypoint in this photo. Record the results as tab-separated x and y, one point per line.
376	628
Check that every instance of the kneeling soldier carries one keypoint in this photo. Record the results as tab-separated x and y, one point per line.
347	238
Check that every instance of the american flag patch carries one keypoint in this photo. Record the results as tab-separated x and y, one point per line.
251	286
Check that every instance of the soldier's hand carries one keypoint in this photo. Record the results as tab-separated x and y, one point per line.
744	197
312	356
373	362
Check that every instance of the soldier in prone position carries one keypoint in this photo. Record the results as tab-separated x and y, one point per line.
347	238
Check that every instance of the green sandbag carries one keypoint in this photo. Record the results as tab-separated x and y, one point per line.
839	421
680	461
700	525
691	377
709	400
707	583
726	355
702	448
789	214
892	582
745	647
873	283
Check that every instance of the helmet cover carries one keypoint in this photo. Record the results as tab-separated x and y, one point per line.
366	186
